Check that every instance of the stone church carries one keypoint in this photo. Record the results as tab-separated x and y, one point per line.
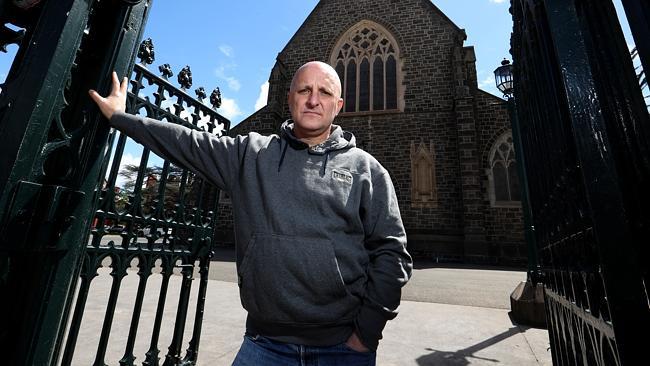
412	101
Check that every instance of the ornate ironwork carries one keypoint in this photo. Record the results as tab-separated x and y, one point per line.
165	71
585	134
9	36
200	93
185	78
51	144
146	52
638	16
641	77
168	217
215	98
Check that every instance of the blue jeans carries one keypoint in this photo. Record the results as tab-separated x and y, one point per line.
261	351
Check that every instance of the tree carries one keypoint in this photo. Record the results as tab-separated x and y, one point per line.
150	186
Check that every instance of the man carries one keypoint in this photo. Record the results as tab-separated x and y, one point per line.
321	255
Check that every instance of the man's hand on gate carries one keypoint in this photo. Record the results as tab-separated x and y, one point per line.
115	101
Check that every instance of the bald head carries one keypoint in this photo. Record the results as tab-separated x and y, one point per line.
326	69
314	101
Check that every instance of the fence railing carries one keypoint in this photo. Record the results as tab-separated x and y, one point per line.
153	219
641	76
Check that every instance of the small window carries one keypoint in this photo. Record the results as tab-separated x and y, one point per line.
502	173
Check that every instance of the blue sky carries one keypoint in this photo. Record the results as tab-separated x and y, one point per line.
233	44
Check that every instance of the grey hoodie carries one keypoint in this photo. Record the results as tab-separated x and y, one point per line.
320	241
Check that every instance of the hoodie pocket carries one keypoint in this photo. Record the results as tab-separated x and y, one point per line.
294	280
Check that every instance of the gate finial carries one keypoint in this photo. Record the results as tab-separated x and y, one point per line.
185	78
215	98
166	71
200	93
146	52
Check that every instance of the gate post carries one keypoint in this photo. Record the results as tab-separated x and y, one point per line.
585	133
53	141
638	16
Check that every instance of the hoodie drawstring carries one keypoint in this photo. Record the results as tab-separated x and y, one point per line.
327	155
284	151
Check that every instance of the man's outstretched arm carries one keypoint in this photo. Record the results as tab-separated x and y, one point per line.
216	159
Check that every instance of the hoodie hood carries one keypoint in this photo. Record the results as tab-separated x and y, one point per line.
337	140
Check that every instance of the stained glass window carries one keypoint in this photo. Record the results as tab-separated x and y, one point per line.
366	60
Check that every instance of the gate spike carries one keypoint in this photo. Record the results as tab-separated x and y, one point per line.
185	78
200	93
165	71
146	52
215	98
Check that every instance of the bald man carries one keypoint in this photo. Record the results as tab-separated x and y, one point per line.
321	248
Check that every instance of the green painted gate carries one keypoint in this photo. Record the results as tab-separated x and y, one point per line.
585	134
65	212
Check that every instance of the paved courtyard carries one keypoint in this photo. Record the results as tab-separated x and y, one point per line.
449	316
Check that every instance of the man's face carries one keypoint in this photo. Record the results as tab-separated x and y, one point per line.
314	100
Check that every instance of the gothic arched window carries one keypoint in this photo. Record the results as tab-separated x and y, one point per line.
366	60
502	172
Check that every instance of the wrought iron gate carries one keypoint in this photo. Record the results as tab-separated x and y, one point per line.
163	218
51	142
54	157
586	139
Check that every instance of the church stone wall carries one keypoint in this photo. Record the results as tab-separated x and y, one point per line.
430	45
504	225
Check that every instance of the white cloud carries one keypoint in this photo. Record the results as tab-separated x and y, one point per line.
264	94
227	50
497	1
233	83
488	81
229	108
127	159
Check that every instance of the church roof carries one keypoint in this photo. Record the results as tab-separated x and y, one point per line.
429	3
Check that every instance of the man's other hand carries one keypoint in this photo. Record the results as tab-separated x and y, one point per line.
355	343
115	101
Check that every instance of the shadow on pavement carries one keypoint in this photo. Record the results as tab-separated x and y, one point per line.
461	357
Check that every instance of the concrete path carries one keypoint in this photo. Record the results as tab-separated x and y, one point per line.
449	316
423	334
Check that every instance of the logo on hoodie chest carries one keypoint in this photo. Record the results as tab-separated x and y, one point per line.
342	176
